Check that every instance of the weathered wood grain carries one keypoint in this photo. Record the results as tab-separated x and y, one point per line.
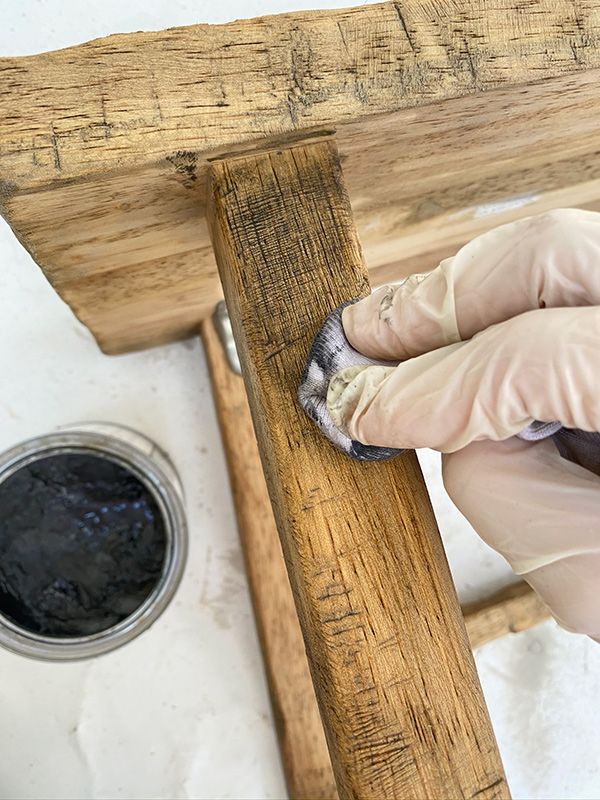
300	732
400	700
450	118
516	608
124	101
306	761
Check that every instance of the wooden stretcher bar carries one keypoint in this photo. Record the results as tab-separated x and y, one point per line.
513	609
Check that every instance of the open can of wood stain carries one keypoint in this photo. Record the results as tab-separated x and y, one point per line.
93	540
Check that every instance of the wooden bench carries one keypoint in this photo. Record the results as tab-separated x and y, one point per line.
148	172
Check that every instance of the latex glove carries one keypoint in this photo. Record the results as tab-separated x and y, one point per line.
504	333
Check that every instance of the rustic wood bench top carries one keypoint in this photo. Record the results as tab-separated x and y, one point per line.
448	118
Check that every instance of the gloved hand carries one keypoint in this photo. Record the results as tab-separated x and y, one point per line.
504	333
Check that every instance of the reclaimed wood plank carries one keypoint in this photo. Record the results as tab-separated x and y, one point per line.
394	676
449	119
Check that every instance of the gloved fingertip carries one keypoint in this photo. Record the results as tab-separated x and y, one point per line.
339	401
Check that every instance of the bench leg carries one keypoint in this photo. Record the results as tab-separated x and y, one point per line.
394	676
304	754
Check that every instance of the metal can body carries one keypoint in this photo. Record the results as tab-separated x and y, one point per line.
152	467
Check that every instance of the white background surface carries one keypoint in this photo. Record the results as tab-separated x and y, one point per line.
182	712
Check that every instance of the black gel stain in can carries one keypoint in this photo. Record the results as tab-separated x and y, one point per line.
83	543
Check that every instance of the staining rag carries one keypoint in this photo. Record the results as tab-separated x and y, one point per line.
331	352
